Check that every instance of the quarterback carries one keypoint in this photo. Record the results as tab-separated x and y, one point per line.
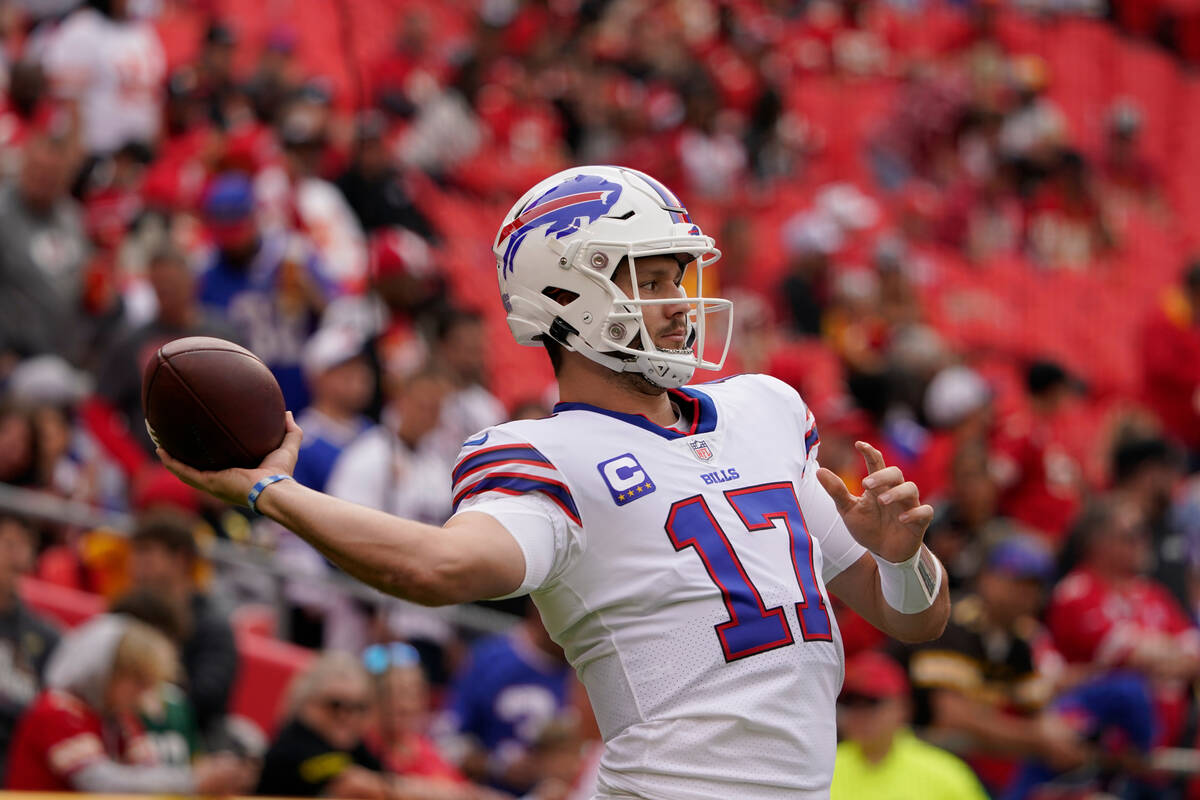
680	541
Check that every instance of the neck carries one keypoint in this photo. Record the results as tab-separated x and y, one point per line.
876	749
583	381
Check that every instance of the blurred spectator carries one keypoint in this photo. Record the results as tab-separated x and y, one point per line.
979	680
20	450
1041	483
293	194
400	735
460	348
810	240
26	639
1066	226
179	314
113	66
340	384
82	733
1107	613
879	756
214	70
275	79
1145	473
398	466
27	89
1131	180
319	751
511	688
965	520
72	460
1170	360
267	286
164	560
43	249
169	720
375	187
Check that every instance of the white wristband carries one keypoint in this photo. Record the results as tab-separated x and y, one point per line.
911	586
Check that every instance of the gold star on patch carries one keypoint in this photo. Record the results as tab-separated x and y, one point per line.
620	497
640	489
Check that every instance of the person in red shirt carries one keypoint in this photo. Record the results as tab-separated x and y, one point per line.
82	733
1040	481
1170	358
1105	614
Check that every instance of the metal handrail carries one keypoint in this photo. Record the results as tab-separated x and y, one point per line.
50	508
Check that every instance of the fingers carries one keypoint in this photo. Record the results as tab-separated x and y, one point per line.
885	478
293	435
905	493
836	489
921	515
181	470
873	457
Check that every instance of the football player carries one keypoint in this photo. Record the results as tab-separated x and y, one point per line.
679	541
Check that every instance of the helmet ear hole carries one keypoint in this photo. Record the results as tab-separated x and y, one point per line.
563	297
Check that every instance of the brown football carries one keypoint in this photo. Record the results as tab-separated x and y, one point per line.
212	404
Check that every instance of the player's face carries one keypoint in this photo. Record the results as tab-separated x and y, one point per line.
659	278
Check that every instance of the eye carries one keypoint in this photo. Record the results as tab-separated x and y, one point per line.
648	286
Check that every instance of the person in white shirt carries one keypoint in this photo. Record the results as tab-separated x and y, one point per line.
114	67
679	542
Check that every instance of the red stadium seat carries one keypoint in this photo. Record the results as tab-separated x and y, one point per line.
66	606
265	670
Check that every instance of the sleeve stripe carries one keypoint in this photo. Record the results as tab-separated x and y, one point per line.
811	439
521	453
512	483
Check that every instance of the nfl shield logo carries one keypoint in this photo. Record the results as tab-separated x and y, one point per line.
701	449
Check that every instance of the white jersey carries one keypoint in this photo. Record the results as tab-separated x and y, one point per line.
683	572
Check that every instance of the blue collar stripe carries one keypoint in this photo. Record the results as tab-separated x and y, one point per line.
703	413
508	483
521	453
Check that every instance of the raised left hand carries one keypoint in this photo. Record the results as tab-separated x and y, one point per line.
887	518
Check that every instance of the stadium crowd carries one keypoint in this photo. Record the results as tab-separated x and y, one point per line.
963	230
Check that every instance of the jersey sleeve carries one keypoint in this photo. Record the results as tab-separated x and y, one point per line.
69	739
839	550
512	481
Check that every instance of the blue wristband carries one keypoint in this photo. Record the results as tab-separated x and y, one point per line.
252	498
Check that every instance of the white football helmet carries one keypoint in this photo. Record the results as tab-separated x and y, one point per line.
557	253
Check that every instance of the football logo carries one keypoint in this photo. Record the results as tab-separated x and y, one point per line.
701	450
565	208
626	479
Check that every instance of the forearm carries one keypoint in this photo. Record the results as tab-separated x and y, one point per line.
859	587
988	728
109	777
411	560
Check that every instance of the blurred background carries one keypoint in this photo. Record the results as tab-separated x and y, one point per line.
967	232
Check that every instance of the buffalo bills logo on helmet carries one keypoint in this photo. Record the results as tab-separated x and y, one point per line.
565	208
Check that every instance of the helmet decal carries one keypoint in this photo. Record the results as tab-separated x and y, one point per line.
585	197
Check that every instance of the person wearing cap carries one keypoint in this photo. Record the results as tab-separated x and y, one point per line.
979	680
269	286
1169	350
1041	482
340	384
43	245
879	756
163	560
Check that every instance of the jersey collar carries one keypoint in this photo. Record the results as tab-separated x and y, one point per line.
698	410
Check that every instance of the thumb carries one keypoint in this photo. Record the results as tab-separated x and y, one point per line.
836	489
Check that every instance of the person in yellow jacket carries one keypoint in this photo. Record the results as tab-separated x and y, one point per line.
879	757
